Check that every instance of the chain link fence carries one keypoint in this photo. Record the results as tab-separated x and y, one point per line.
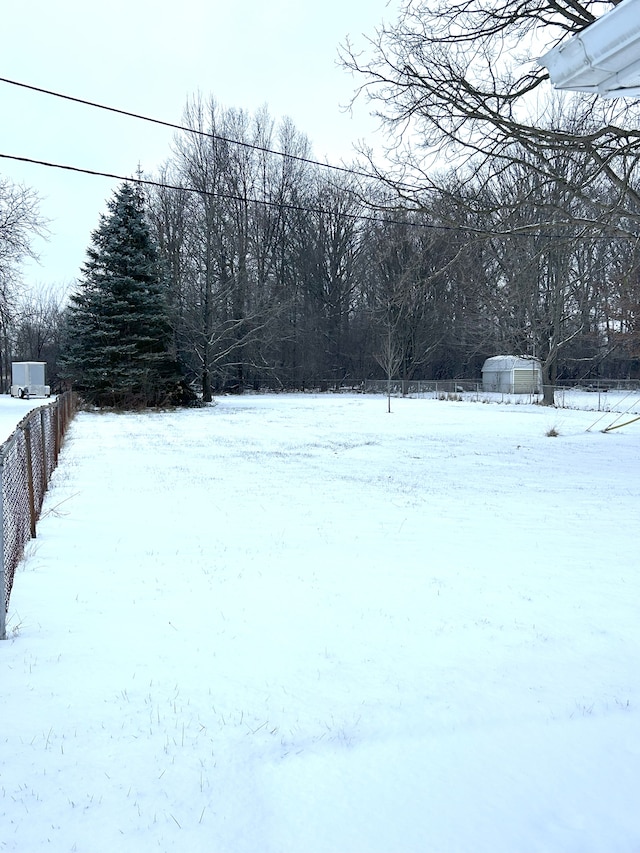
27	460
409	387
605	395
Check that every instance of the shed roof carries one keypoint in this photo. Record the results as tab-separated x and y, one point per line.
510	362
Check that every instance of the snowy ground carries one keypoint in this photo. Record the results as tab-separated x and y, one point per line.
13	410
299	623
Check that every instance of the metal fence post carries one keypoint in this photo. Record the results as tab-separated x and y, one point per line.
56	433
45	472
30	489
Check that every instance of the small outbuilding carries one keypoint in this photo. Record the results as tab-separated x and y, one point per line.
27	379
512	374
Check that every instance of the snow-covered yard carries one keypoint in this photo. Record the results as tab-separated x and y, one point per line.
299	623
13	410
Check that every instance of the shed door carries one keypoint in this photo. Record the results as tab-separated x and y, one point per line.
524	380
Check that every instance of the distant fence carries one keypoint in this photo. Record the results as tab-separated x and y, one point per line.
450	386
421	386
603	395
27	460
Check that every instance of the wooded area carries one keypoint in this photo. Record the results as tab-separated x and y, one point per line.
284	274
504	218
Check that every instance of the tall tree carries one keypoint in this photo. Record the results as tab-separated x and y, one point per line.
118	336
457	81
37	325
20	222
229	243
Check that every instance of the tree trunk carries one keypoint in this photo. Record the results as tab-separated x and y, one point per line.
548	382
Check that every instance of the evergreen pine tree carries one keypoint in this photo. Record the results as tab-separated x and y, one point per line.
118	335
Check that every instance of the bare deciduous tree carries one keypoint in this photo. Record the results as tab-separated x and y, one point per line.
457	83
459	80
20	222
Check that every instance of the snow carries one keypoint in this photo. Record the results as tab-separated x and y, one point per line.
13	410
299	623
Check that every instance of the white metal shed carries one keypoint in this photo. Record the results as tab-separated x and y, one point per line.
512	374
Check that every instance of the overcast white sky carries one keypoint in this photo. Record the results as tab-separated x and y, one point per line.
148	58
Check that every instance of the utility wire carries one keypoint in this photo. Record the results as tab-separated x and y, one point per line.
477	232
186	129
254	147
230	196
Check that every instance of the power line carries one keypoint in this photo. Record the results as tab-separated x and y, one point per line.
264	150
228	196
186	129
477	232
195	190
231	197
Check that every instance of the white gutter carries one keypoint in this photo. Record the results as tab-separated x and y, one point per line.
604	58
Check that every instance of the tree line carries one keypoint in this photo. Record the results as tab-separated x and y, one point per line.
488	230
283	274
